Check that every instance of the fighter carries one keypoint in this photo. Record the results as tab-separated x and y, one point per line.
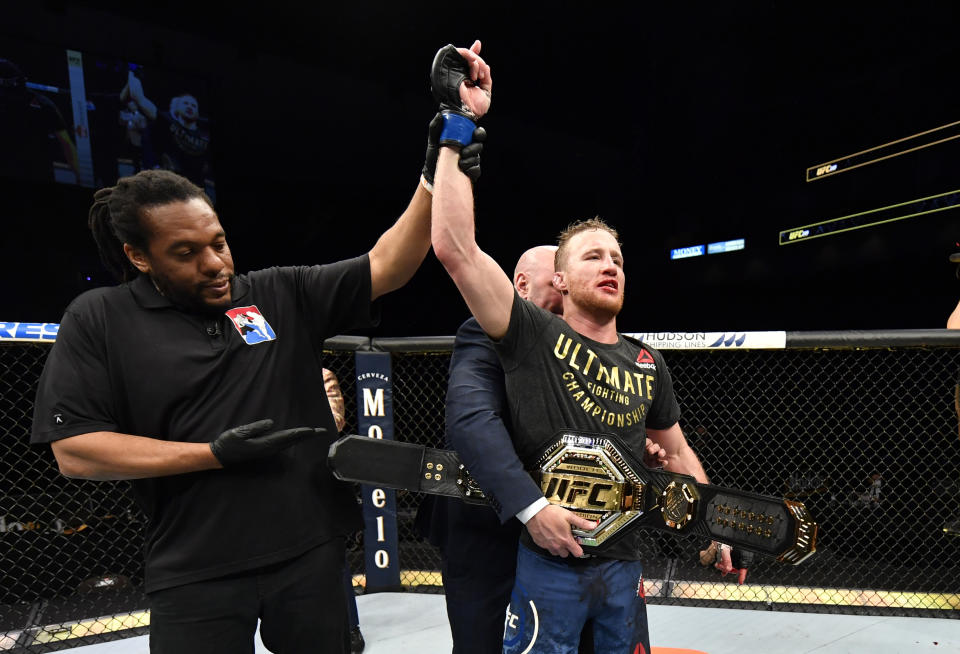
587	377
478	550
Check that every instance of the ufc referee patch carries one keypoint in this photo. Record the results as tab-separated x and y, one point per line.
251	325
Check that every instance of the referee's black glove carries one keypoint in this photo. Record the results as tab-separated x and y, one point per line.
256	441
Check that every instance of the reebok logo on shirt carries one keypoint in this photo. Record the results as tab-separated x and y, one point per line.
645	360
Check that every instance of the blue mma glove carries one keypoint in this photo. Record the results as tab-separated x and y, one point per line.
469	155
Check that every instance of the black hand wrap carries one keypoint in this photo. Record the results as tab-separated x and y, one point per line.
256	441
469	155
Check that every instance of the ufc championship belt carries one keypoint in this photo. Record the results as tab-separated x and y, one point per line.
597	477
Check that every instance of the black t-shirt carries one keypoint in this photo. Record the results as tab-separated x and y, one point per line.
558	379
126	360
184	151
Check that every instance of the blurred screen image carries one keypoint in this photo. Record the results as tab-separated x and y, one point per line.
78	118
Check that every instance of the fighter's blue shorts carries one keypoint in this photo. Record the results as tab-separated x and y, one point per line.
552	600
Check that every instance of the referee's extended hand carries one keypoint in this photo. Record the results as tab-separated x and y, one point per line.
256	441
550	529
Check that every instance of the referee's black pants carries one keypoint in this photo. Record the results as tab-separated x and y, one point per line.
300	604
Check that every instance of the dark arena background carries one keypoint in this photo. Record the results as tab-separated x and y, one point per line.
771	167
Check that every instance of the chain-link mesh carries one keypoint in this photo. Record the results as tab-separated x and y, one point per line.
866	438
72	551
419	390
343	365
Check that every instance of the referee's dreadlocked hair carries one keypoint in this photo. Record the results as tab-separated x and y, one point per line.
116	215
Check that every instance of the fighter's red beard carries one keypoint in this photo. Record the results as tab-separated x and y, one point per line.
597	303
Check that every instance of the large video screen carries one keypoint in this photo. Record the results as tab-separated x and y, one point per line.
82	118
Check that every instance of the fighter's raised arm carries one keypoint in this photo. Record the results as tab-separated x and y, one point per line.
462	83
401	249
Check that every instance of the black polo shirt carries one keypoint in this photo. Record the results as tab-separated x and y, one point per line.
128	361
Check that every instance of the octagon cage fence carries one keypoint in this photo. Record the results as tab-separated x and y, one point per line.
860	426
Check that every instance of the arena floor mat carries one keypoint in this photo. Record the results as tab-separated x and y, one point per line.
416	623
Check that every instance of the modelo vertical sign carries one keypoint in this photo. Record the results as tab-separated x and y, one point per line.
375	408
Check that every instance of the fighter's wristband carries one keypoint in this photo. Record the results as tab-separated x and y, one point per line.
457	129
